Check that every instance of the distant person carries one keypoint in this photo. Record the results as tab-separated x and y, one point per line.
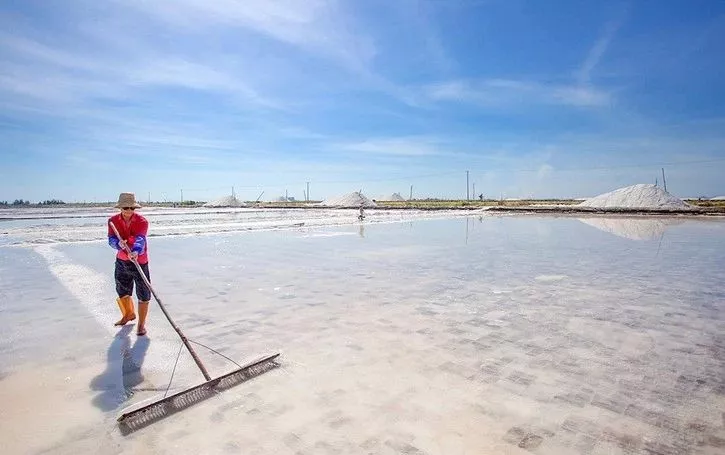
480	196
133	228
361	216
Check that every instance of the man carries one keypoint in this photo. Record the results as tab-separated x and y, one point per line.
133	228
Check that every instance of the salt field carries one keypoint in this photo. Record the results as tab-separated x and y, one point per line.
410	332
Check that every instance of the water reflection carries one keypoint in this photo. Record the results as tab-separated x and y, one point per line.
632	228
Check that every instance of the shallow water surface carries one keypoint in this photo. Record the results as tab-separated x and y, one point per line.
475	335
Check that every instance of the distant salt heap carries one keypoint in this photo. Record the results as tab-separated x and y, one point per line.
227	201
395	197
719	198
642	196
353	199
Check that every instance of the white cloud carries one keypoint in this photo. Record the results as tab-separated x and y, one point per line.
318	26
597	51
511	92
403	146
544	171
581	96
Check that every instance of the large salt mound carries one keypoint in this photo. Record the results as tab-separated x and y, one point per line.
227	201
396	197
642	196
719	198
354	199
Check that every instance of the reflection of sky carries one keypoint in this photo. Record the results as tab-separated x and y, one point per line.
515	325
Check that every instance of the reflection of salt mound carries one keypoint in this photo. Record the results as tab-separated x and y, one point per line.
395	197
642	196
354	199
719	198
227	201
632	228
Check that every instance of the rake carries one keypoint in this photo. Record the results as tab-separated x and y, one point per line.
159	408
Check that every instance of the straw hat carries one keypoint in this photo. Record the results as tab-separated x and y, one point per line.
127	200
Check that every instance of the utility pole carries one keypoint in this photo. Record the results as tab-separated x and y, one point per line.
411	193
182	197
286	199
664	182
307	194
474	190
468	196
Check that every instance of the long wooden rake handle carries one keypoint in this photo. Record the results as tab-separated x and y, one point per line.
161	305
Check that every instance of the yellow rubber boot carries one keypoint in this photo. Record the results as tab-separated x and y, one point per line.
123	310
128	314
128	305
143	310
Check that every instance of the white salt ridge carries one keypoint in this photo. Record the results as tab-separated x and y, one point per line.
354	199
396	197
641	196
90	289
718	198
227	201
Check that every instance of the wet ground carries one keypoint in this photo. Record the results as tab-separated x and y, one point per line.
472	335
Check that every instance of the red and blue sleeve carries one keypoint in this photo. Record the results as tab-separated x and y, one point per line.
112	239
139	244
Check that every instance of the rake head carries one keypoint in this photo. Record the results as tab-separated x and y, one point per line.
146	415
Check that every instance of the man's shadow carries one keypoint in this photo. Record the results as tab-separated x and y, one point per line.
123	370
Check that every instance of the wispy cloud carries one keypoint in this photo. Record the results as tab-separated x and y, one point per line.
583	75
402	146
38	74
507	92
510	92
595	54
318	26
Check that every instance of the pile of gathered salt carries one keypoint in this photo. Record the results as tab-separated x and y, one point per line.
396	197
354	199
642	196
719	198
227	201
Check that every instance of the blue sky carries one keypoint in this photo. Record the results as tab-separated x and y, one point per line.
534	99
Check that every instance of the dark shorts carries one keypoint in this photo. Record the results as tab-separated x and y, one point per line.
126	275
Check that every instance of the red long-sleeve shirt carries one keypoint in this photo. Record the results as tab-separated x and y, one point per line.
133	232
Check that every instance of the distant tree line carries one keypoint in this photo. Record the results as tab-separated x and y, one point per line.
22	202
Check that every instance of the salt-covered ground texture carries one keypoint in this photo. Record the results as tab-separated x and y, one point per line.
475	335
641	196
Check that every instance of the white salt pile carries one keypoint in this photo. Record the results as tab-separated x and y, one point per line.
396	197
641	196
354	199
719	198
227	201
